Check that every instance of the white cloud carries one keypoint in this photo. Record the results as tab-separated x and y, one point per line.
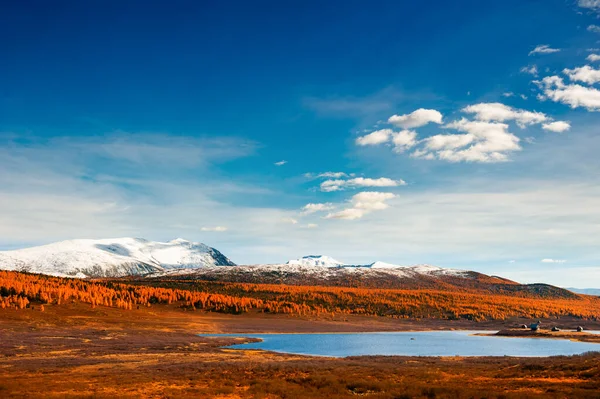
335	175
401	141
346	214
543	49
593	5
448	141
418	118
216	228
375	138
337	185
312	208
482	142
327	175
553	261
422	154
311	226
404	140
485	139
593	57
585	74
280	163
557	127
362	204
289	220
508	94
594	28
574	95
532	70
498	112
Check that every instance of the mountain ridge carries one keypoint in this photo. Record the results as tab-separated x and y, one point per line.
180	259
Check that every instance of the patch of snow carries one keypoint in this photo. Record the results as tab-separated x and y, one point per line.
316	260
384	265
111	257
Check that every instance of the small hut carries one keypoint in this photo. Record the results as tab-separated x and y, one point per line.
524	326
535	326
579	329
555	329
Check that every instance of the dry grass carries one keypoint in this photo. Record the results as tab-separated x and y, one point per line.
72	351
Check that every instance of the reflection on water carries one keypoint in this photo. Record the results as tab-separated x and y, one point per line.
430	343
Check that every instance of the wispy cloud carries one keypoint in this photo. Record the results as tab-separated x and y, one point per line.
359	182
363	204
530	69
368	107
218	229
280	163
592	5
352	106
543	49
321	207
553	261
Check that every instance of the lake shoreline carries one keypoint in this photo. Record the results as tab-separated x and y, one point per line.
546	334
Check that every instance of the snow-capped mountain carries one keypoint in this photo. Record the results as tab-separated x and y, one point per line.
139	257
325	270
316	260
112	257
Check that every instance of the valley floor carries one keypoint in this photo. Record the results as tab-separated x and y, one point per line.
73	351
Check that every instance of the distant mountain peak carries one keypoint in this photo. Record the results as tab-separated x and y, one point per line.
316	260
115	257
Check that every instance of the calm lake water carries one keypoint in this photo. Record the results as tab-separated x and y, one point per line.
430	343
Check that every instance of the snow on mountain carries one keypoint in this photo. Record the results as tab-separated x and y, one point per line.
135	256
112	257
383	265
316	260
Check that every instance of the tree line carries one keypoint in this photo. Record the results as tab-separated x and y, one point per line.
22	290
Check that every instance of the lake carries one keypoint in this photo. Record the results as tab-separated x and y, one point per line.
428	343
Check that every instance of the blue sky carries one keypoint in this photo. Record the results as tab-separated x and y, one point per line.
222	122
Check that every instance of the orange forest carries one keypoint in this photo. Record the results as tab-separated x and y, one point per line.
22	290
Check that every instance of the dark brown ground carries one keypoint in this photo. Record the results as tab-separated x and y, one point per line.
73	351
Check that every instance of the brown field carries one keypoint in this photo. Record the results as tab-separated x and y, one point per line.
73	350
